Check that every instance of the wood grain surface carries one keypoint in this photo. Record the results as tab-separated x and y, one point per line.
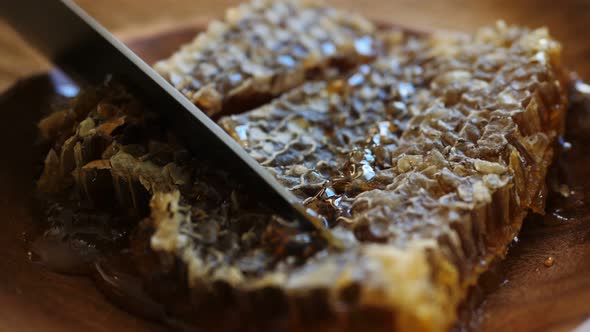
532	297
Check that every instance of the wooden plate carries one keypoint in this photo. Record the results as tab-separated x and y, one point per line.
529	296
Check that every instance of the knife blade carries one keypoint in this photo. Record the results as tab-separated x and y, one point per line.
88	52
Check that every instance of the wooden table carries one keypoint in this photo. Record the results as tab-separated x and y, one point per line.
566	19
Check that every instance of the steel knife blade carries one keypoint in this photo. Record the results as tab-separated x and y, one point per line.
87	51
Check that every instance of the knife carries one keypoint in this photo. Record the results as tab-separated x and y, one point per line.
87	52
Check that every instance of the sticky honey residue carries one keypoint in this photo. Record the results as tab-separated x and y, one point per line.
549	261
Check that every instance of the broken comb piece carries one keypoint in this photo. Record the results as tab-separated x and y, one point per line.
263	49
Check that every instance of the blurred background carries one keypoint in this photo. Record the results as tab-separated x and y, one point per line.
567	20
